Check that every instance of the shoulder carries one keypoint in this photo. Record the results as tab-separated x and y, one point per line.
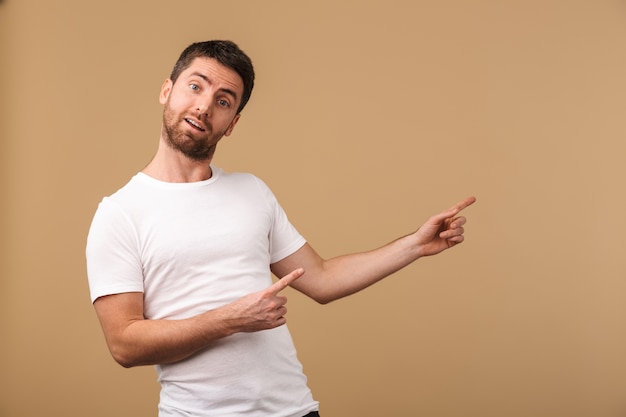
241	179
128	190
223	175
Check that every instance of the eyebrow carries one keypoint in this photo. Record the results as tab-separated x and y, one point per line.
208	80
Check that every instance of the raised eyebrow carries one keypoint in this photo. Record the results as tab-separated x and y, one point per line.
208	80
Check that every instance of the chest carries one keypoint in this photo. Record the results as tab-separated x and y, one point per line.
204	228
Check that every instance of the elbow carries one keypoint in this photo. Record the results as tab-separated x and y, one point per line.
323	299
123	357
123	361
125	364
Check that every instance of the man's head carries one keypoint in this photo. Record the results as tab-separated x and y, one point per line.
226	53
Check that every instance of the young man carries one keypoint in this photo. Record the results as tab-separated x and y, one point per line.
180	259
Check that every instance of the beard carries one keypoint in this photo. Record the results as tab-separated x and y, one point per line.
200	148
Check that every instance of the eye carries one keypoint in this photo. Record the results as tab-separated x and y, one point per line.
223	103
194	87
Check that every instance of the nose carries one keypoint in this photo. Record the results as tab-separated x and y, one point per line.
204	108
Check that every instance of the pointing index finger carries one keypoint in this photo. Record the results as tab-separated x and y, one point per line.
285	281
463	204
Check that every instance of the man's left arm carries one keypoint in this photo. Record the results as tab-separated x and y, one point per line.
328	280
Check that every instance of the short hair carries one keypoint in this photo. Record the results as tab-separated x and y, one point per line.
226	53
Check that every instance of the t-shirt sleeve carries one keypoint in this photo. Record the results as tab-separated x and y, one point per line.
284	238
112	253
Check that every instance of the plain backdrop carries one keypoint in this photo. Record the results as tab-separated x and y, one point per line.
367	117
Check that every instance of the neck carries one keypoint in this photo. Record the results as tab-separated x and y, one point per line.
170	165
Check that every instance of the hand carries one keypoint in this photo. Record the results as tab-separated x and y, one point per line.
264	309
443	230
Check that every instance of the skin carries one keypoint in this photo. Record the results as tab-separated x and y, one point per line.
199	110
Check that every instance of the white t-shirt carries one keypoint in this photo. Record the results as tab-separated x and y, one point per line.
190	248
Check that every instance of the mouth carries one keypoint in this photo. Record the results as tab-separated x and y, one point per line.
194	124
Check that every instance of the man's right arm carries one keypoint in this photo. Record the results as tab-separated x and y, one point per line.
134	340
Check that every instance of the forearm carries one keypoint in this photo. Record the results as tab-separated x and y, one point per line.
328	280
149	342
348	274
338	277
134	340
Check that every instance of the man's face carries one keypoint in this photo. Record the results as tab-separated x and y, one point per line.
200	107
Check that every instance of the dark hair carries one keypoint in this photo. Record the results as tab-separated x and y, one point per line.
226	53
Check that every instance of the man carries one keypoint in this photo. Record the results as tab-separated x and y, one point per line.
180	259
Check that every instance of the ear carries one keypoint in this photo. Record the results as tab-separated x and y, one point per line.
232	125
166	89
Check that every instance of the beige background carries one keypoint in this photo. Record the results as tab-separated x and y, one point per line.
368	116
